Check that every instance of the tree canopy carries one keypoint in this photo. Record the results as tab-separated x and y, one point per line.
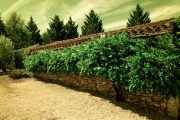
16	19
92	25
138	18
71	29
2	27
56	31
36	37
6	48
18	33
20	36
45	38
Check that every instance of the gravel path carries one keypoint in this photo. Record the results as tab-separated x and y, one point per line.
32	99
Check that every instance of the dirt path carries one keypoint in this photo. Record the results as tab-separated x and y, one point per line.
32	99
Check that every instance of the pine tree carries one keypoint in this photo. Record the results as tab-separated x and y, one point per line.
57	31
71	29
36	37
92	26
138	18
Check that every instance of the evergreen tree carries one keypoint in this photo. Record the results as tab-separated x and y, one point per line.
36	37
2	27
92	26
71	29
45	38
57	31
138	18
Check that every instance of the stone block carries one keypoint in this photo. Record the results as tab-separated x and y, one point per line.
156	98
143	103
141	98
163	105
157	105
144	94
149	95
154	108
172	106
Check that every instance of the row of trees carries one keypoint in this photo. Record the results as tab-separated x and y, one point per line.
15	28
23	35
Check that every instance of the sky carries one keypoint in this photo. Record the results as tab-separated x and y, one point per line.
113	13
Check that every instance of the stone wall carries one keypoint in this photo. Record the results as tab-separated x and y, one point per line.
146	99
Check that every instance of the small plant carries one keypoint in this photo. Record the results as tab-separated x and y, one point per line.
18	73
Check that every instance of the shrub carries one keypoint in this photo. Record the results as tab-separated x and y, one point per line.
6	48
18	73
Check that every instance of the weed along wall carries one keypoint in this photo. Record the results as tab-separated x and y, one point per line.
146	99
48	61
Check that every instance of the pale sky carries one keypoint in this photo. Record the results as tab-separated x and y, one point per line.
113	13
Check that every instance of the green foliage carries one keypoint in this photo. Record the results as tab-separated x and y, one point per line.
5	52
176	33
71	29
138	18
20	36
92	25
45	38
135	64
35	32
57	31
16	19
19	55
18	73
2	27
18	58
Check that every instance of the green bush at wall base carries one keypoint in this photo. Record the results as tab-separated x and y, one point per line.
18	73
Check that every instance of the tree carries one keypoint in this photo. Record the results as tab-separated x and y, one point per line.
15	19
45	38
20	36
36	37
92	26
17	32
57	31
2	27
71	29
138	18
6	48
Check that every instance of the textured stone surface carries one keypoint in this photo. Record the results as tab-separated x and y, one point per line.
172	106
146	99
